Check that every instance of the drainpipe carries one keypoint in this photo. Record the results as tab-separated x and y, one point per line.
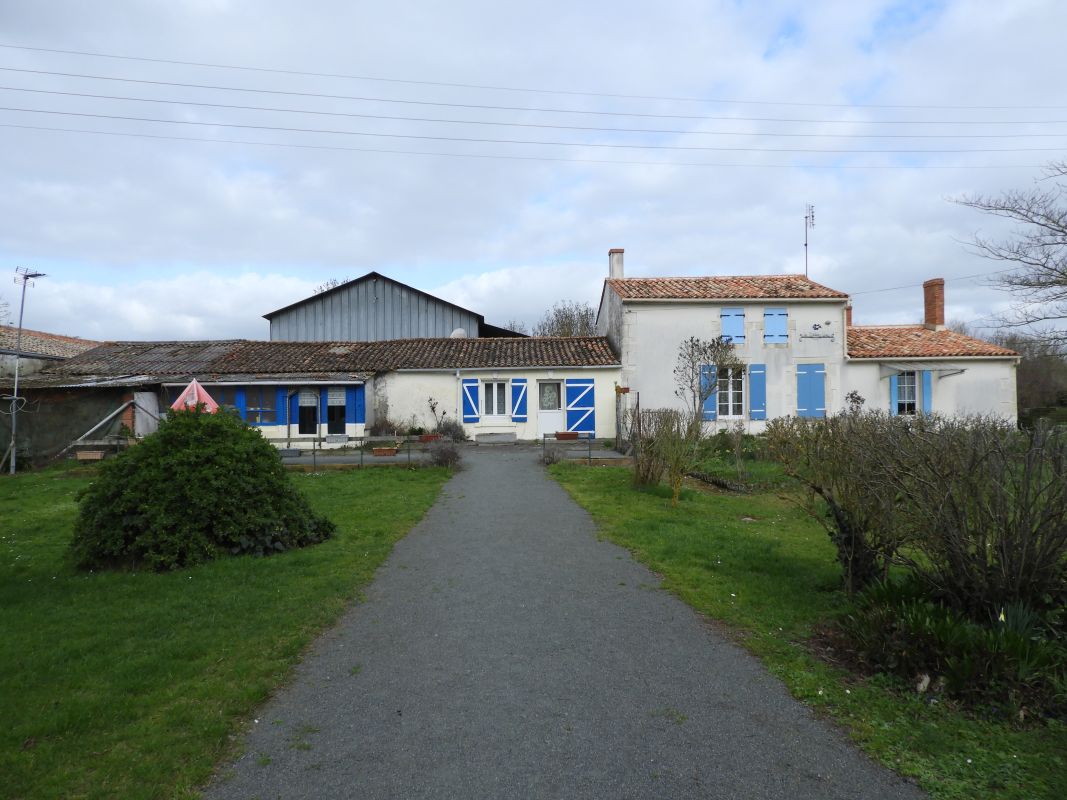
289	418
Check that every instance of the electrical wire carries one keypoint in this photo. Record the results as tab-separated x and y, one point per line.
914	285
515	157
539	142
274	109
529	90
483	106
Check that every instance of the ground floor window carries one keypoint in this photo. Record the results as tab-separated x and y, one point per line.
260	404
495	403
906	393
548	397
731	392
335	410
309	411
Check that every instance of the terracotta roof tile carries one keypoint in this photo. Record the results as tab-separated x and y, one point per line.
916	341
723	287
39	343
173	360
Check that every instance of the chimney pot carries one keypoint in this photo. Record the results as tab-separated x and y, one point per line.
934	303
615	262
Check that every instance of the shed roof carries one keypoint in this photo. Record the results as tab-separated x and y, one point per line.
135	363
40	343
918	341
724	287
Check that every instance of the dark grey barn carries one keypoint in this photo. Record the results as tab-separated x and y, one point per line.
375	308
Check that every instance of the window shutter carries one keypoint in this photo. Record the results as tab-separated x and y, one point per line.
350	404
811	390
893	394
733	324
518	400
709	378
928	392
757	391
280	395
239	400
470	400
775	325
581	416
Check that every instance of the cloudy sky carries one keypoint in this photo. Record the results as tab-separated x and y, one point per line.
182	168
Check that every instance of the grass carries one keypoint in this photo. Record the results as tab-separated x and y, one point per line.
762	566
131	684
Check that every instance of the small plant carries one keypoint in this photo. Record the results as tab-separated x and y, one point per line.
551	456
451	429
383	426
444	454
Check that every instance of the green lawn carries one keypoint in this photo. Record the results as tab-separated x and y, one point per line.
129	685
764	567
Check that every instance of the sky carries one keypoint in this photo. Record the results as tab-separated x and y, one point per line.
181	169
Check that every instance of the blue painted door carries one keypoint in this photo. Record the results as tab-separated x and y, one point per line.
580	405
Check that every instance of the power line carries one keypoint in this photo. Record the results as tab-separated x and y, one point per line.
914	285
475	140
530	90
552	159
350	114
546	110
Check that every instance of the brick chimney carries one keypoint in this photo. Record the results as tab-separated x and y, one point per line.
848	316
615	262
934	304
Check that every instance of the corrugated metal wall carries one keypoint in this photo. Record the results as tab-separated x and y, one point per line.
368	311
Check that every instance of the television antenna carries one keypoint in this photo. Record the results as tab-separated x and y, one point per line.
26	277
809	223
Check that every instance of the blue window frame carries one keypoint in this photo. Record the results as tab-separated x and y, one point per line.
261	405
733	325
775	325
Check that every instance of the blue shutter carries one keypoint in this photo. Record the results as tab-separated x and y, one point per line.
518	399
361	404
324	404
280	393
470	400
580	405
928	392
709	378
811	390
757	391
350	404
240	401
733	324
775	325
893	394
294	408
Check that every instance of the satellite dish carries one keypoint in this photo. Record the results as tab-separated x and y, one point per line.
458	333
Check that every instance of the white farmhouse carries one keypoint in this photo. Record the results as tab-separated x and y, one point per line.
802	354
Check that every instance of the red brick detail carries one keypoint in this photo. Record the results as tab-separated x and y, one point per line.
934	301
848	316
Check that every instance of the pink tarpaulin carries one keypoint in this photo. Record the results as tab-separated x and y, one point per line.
194	395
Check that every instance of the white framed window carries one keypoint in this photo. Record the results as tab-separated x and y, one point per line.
907	393
495	398
731	393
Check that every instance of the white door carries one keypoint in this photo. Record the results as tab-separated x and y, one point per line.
550	407
145	413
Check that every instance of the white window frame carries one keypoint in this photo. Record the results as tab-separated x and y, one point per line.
500	386
907	379
733	398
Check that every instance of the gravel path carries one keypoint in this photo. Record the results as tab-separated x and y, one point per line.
504	652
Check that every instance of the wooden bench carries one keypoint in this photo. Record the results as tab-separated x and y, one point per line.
90	455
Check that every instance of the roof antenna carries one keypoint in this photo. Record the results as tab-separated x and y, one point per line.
809	222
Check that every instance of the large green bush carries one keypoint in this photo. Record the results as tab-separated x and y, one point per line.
202	486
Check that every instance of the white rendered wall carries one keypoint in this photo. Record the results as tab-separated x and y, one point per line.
651	334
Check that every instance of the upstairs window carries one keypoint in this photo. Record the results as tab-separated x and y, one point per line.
906	393
731	393
775	326
495	403
733	325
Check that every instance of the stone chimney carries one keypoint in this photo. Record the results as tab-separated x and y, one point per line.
615	263
934	304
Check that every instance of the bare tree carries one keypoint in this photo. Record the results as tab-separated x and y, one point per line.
5	310
1038	250
517	326
567	318
332	283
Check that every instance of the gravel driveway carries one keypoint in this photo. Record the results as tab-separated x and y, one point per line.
504	652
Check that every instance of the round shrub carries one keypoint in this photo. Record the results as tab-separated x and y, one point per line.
201	487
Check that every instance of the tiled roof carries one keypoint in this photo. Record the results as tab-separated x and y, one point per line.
736	287
145	361
39	343
917	341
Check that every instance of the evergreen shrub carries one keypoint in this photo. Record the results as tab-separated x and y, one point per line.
203	486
